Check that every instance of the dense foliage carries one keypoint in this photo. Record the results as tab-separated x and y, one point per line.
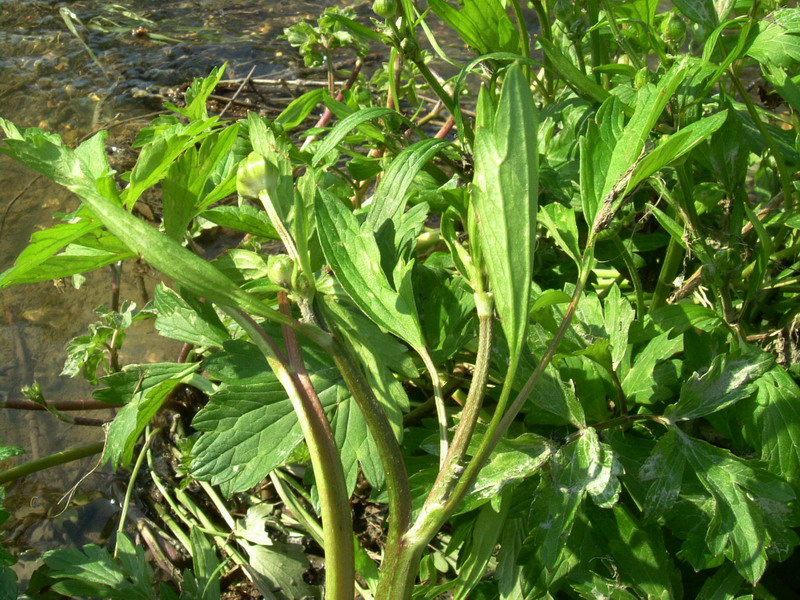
548	343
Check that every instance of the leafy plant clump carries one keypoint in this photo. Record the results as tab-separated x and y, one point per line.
538	341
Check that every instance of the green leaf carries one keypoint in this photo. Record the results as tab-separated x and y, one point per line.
596	150
187	321
618	315
556	397
638	552
650	103
776	414
298	109
559	220
157	157
390	195
277	571
642	384
783	84
722	585
355	444
380	354
664	467
149	394
196	179
205	563
669	224
197	94
483	24
96	570
345	126
7	452
9	587
728	379
353	254
699	11
44	245
738	526
505	190
578	80
245	218
778	39
512	461
249	428
485	534
583	466
675	146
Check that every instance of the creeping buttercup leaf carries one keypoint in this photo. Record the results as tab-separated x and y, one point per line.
353	254
752	506
619	315
580	467
637	552
94	572
775	417
729	379
389	199
277	571
144	401
482	24
249	428
512	461
664	469
505	190
647	380
187	321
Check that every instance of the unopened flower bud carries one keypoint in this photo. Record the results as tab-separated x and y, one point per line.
280	269
256	174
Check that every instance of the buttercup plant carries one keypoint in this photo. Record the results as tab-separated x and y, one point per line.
521	335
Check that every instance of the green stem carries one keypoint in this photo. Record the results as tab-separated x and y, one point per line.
441	411
380	429
59	458
620	39
453	464
405	559
131	482
335	511
524	37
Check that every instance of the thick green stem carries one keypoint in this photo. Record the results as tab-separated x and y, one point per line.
335	511
59	458
389	451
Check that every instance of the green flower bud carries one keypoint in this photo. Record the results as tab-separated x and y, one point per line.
256	174
280	269
673	28
385	8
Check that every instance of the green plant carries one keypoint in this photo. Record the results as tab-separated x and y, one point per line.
570	295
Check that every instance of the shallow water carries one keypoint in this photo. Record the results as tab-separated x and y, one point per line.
48	79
